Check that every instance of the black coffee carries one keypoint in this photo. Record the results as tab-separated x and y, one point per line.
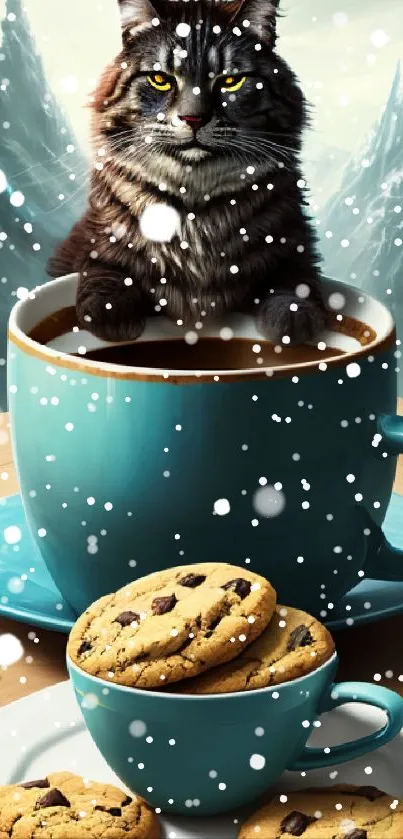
208	354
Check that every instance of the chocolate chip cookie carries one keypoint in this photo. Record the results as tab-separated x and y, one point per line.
340	812
172	624
292	645
64	806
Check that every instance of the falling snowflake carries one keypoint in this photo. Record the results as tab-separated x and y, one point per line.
159	222
17	199
12	534
353	370
379	39
11	649
257	762
222	507
336	301
90	701
183	30
137	728
269	501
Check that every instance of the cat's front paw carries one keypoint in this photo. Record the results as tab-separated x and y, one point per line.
108	324
285	314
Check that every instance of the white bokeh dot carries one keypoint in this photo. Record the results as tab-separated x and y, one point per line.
257	762
15	585
269	501
12	534
379	39
159	222
222	506
302	291
336	301
90	701
226	333
11	649
183	30
353	370
17	198
137	728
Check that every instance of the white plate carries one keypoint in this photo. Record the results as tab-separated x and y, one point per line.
45	733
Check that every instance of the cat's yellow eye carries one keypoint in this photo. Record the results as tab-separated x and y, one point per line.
159	81
232	83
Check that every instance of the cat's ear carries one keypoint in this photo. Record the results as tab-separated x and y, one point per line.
261	14
137	12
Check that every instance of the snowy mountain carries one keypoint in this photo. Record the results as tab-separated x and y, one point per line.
43	173
362	224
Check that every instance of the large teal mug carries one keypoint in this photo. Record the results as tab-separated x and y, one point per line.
125	471
202	755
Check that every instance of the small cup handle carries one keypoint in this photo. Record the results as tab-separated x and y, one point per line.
340	693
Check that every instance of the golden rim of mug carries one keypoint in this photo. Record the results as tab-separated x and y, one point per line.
201	697
182	377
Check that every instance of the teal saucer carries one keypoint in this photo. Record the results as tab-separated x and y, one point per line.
28	593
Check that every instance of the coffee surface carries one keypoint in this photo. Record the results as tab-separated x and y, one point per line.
208	354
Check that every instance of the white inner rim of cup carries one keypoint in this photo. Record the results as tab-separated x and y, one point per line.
202	697
57	294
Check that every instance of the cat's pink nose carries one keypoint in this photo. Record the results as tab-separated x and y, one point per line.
195	121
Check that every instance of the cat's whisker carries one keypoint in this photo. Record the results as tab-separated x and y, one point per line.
286	150
240	153
275	134
259	142
268	150
266	135
248	148
262	138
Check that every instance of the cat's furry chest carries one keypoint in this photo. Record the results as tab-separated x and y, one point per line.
191	258
196	268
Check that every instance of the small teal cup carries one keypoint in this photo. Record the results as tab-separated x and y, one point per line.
204	755
125	471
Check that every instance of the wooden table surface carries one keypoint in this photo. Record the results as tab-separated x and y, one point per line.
365	652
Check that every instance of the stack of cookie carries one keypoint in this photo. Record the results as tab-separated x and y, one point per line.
202	629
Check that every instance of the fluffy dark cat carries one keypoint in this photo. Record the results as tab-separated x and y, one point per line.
198	112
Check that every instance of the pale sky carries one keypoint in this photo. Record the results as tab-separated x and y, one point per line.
344	52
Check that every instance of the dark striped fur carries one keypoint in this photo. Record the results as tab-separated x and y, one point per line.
254	220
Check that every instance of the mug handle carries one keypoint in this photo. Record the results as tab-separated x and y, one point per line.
340	693
383	560
390	427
